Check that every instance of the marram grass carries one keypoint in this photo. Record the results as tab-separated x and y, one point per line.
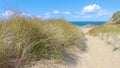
23	40
111	29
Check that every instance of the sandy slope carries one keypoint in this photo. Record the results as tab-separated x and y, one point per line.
99	54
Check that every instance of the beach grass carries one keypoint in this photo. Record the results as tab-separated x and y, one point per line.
111	29
24	40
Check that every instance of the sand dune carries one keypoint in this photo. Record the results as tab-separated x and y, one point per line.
99	54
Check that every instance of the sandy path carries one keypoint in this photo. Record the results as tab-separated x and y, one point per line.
99	54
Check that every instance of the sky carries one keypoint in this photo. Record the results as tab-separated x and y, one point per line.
70	10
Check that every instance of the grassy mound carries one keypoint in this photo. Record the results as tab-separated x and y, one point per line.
23	40
111	29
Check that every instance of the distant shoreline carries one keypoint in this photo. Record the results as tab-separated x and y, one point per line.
86	23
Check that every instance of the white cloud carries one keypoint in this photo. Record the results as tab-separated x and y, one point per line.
38	17
100	14
67	12
47	15
104	13
56	11
64	12
8	13
91	8
94	11
24	14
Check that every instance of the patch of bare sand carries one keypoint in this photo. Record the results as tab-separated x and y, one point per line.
99	54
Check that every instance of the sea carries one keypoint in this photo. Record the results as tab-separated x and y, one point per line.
83	23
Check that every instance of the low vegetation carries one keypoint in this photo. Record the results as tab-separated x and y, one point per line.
24	40
111	27
110	32
116	16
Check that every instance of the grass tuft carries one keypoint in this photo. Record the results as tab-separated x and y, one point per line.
23	40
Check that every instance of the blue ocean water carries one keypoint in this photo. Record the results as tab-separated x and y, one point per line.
83	23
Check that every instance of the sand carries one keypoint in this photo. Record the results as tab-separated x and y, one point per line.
98	55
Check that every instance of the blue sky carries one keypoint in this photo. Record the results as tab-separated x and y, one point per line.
71	10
